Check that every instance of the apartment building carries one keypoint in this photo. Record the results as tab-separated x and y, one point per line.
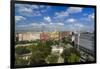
44	36
85	42
27	36
64	34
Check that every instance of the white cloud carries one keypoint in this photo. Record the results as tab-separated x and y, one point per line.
55	24
51	23
71	20
60	24
48	19
31	25
74	9
61	14
18	18
27	10
38	24
23	7
27	6
22	26
34	7
42	6
78	25
91	16
34	24
74	24
43	24
18	5
31	10
68	11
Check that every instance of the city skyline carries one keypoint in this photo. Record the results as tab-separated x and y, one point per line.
50	18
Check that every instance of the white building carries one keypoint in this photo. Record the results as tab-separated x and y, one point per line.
57	49
86	42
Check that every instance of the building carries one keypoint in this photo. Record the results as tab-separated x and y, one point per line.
27	36
54	35
64	34
57	49
44	36
85	42
30	36
49	36
16	37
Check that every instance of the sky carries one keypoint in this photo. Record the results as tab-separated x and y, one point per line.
53	18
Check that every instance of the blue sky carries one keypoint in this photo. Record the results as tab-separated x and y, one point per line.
50	18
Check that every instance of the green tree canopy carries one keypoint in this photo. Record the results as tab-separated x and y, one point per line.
19	61
39	53
21	50
52	58
71	55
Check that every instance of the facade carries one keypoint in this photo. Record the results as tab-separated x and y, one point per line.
16	37
57	49
64	34
49	35
27	36
44	36
85	42
54	35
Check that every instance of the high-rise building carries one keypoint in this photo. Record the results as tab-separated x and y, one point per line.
85	42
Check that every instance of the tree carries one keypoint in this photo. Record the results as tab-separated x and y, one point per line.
52	58
37	57
66	40
74	50
73	58
56	42
49	43
19	61
70	55
39	54
21	50
66	53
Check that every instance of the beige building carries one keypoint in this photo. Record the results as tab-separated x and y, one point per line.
54	35
28	36
49	35
64	34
